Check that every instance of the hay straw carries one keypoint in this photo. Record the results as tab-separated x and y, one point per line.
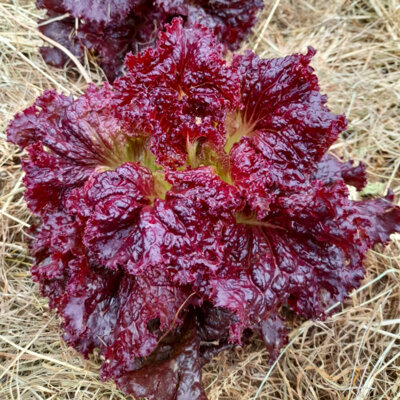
353	355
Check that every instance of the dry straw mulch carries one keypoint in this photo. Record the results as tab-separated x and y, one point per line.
355	354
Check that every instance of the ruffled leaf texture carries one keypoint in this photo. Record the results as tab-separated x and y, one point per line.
112	28
191	205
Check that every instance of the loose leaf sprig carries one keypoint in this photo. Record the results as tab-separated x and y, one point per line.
110	29
192	203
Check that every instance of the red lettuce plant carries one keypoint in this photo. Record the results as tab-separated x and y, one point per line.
111	29
191	205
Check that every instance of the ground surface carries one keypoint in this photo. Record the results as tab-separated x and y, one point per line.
355	354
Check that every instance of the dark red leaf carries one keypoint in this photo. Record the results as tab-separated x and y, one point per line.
380	218
230	20
114	200
330	169
100	12
285	123
141	300
63	32
173	370
189	106
274	334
